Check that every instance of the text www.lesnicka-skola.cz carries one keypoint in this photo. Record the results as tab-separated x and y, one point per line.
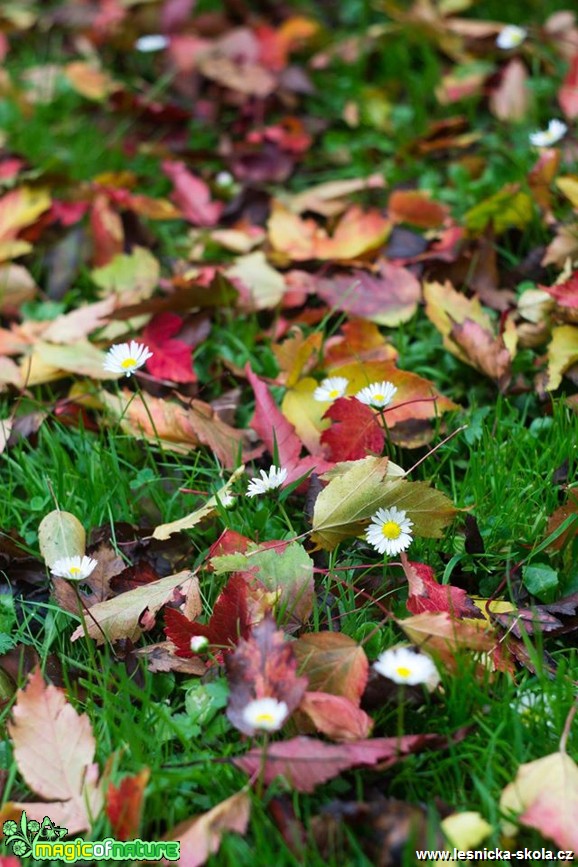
495	855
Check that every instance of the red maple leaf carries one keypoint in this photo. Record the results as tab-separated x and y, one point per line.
355	432
426	594
172	358
124	805
228	623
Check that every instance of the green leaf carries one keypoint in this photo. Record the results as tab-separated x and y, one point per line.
540	579
359	488
508	208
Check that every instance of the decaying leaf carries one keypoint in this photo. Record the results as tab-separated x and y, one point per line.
335	716
333	663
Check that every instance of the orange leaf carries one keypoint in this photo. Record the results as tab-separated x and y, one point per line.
124	805
416	208
336	716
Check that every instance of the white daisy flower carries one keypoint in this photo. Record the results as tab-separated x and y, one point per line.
126	357
226	500
199	643
511	36
403	665
152	42
534	709
390	531
378	394
268	481
224	179
557	129
73	568
331	388
267	714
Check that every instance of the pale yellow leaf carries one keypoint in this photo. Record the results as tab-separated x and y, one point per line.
122	616
164	531
60	534
266	285
562	353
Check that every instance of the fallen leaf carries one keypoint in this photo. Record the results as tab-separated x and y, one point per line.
441	635
172	358
568	93
286	572
562	353
544	796
18	209
330	198
228	623
165	531
60	534
263	284
333	663
89	81
306	762
416	208
133	276
122	616
264	665
200	837
387	298
509	208
192	195
124	805
336	716
278	434
54	750
426	594
355	431
510	99
179	428
359	488
16	286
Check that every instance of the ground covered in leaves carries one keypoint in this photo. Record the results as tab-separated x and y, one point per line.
301	586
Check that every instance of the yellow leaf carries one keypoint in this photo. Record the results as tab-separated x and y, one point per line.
466	831
562	353
568	184
444	307
266	285
164	531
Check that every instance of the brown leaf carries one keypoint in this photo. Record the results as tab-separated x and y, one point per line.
441	635
416	208
262	666
333	663
484	351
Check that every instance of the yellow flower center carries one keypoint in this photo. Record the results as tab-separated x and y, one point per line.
334	393
128	362
391	530
74	570
264	718
403	671
379	397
